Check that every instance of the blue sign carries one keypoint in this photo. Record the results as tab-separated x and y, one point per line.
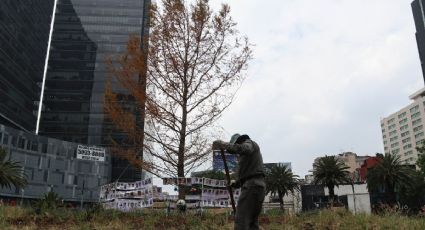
218	164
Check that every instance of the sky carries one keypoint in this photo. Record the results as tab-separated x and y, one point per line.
323	75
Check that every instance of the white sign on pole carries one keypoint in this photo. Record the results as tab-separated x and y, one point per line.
90	153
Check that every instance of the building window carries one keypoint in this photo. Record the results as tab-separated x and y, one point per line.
393	132
405	134
414	109
404	127
403	121
417	128
390	121
406	140
21	143
6	139
44	148
35	146
394	145
415	122
14	141
408	146
393	138
46	175
421	134
415	115
402	115
395	151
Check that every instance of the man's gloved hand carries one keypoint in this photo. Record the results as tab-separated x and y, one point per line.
235	184
218	144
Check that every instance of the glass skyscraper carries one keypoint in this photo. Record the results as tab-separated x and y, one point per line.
24	34
418	7
85	34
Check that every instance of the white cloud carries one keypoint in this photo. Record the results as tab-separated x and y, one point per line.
324	73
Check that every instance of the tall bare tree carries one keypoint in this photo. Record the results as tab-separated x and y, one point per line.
195	63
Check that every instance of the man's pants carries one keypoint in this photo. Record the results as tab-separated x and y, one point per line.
249	207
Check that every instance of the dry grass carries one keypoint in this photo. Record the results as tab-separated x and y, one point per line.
63	219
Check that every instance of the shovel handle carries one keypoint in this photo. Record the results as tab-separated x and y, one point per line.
226	169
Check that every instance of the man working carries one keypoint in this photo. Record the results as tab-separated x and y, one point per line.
251	179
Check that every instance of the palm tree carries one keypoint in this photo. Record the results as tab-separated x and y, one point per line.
280	180
51	200
10	172
330	172
389	174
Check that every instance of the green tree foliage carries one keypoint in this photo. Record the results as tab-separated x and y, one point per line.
330	172
421	158
51	200
389	174
10	172
280	180
413	195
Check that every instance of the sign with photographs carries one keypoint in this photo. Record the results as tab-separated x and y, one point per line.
210	192
129	196
128	205
91	153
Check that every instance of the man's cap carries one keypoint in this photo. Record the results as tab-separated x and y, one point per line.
234	138
237	137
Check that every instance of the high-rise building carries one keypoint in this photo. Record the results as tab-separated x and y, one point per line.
49	164
403	130
24	35
418	7
85	34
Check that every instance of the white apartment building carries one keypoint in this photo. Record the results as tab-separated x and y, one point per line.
404	130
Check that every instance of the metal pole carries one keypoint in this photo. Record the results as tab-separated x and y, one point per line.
82	195
226	169
354	198
202	195
22	196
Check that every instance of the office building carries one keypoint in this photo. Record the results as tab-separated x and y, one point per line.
52	165
419	17
24	34
85	35
403	130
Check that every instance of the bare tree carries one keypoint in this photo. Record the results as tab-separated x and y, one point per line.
195	64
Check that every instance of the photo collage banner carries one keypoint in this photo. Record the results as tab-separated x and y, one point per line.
204	192
129	196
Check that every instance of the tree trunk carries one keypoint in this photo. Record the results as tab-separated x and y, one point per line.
391	196
280	195
182	143
331	194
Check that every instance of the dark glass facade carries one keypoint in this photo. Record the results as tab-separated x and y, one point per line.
418	7
24	34
51	165
85	34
